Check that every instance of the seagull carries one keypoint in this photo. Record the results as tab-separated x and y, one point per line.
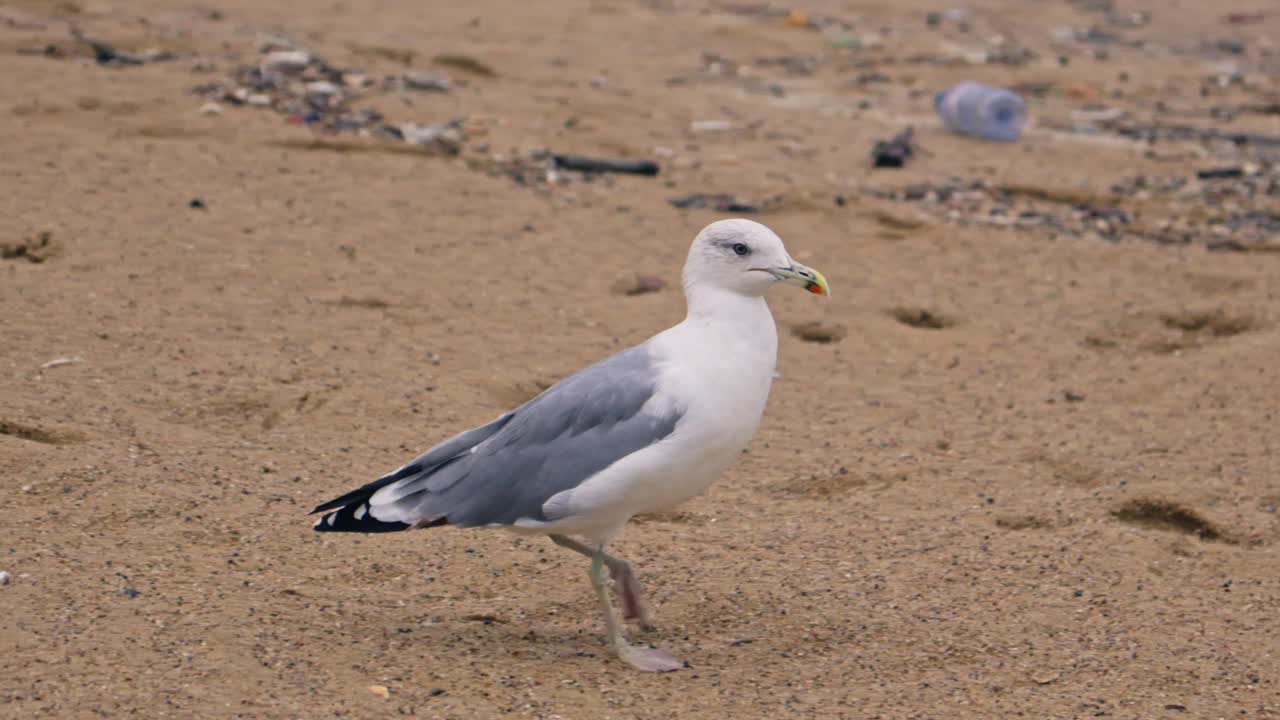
638	432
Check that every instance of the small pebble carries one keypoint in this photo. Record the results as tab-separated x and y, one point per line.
639	285
4	577
211	108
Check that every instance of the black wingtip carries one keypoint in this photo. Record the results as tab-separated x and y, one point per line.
345	519
365	491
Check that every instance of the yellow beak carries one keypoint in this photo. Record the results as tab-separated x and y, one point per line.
805	277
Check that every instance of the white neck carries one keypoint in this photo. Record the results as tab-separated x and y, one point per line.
716	304
740	325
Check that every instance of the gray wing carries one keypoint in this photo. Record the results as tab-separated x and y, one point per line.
507	470
441	454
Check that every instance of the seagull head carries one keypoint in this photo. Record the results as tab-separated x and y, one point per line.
748	258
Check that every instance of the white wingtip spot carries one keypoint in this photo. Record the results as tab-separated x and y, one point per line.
318	523
328	519
360	511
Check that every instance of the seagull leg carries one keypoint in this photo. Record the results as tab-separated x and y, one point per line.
629	589
640	658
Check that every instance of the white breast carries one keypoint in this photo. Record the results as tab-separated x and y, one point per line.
718	370
722	373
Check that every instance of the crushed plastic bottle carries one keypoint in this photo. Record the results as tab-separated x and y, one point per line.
983	111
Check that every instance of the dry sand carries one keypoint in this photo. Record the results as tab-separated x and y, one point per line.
1037	477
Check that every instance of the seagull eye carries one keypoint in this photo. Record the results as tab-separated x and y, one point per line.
740	249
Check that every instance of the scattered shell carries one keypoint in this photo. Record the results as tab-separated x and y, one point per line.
287	61
432	81
710	125
323	88
58	362
4	577
211	108
381	691
447	135
1092	116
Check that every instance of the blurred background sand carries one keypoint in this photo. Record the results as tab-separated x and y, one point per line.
1033	472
